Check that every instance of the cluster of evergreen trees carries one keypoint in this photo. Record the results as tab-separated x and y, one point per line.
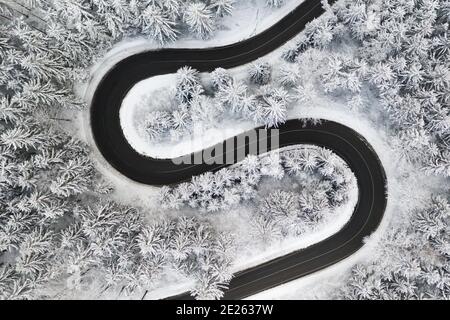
411	263
402	55
205	104
322	183
106	249
42	170
98	23
53	232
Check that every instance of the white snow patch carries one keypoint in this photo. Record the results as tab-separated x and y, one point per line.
134	109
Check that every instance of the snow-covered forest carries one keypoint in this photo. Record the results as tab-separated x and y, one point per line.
61	234
59	230
397	60
386	60
408	60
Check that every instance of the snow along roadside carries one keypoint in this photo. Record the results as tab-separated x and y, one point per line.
134	109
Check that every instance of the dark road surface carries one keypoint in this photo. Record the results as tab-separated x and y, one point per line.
345	142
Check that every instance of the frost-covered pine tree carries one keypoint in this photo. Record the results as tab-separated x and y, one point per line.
323	35
181	119
158	25
260	72
200	19
205	111
274	105
293	50
280	204
222	7
265	228
22	138
156	124
188	84
290	75
220	78
275	112
232	95
171	7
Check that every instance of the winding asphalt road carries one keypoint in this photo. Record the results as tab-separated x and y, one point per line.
345	142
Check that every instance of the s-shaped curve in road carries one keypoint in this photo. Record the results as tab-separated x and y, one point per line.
348	144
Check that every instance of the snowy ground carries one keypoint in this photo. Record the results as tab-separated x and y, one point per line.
135	108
